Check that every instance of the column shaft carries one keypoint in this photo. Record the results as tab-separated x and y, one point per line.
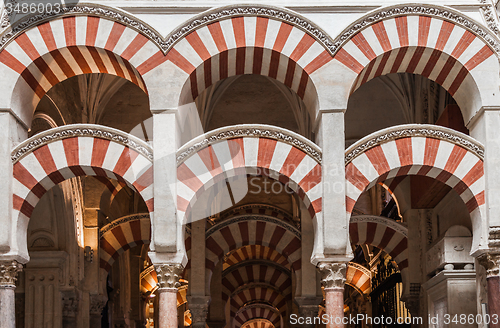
334	303
167	307
7	307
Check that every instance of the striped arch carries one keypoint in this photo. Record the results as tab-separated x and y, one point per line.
113	186
67	46
243	231
251	312
149	280
248	149
255	252
383	233
440	153
237	40
46	159
255	272
258	323
258	293
121	235
422	43
358	277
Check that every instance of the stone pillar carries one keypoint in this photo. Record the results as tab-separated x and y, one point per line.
332	230
97	303
492	263
333	276
168	282
198	305
8	277
308	308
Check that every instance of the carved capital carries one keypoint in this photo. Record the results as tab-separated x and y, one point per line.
69	302
97	303
333	274
168	275
8	273
491	263
198	305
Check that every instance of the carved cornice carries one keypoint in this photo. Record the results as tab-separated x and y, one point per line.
333	275
248	130
81	130
124	219
8	273
360	268
396	226
490	15
82	9
168	275
413	130
491	262
439	12
253	217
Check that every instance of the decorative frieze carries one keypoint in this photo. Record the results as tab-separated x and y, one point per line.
249	130
333	275
414	130
81	130
168	275
8	273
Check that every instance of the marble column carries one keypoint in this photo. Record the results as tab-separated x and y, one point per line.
308	308
8	277
168	282
333	276
492	264
198	305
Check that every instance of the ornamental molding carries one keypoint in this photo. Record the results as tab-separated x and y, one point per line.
8	273
253	262
333	275
360	268
81	130
250	131
124	219
396	226
218	14
490	15
414	130
254	217
168	275
439	12
494	237
81	9
168	42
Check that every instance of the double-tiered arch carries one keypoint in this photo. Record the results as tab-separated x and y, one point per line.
36	55
58	154
436	42
440	153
